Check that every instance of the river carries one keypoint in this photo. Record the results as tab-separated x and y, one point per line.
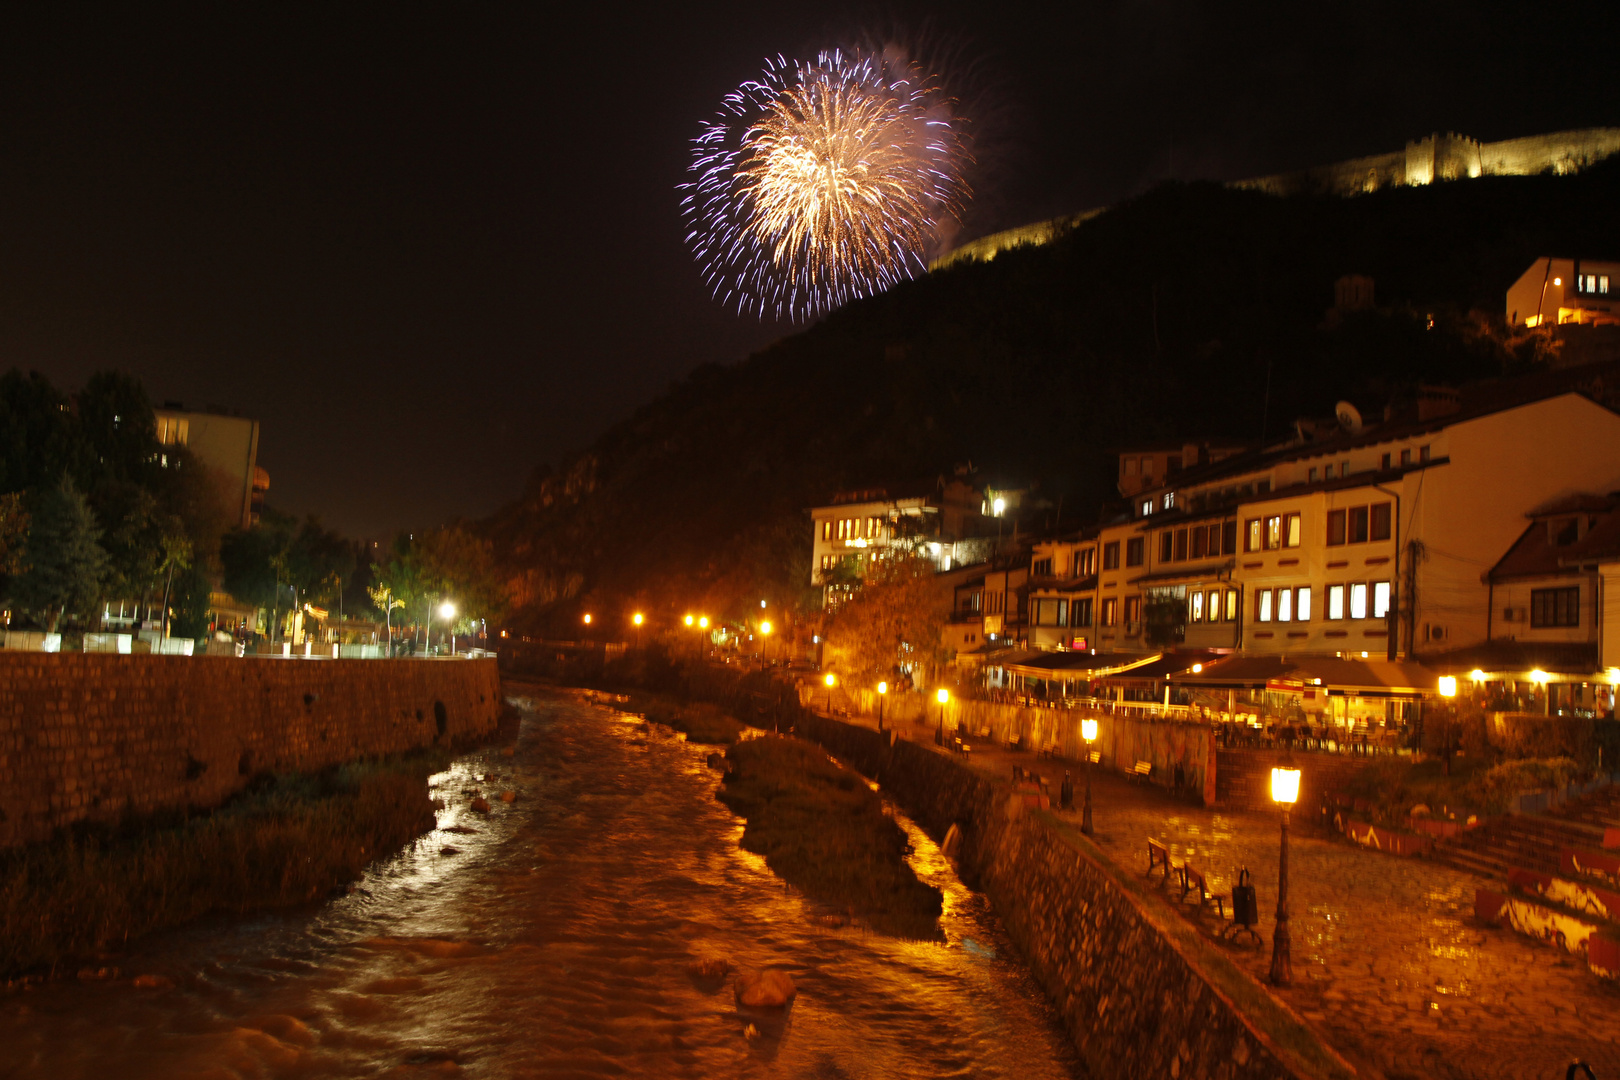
554	939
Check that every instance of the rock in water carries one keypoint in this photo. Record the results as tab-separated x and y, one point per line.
717	761
508	795
765	989
712	967
479	805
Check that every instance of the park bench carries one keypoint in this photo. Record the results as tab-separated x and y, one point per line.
1192	880
1143	770
1095	756
1159	856
1050	750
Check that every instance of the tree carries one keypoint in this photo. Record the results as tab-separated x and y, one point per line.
892	620
66	565
1164	619
13	534
445	564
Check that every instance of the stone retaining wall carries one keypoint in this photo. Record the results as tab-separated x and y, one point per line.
1133	986
1182	751
97	737
1243	777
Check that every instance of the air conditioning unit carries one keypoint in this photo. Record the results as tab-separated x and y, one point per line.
1438	633
1514	614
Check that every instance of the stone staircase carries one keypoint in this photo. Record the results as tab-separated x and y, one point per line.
1532	841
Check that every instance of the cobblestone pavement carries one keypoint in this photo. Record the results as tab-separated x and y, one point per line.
1389	963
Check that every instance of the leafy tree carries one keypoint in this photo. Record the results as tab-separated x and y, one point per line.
13	534
893	620
66	565
1164	620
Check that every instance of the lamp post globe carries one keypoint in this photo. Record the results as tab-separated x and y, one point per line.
883	692
1088	731
941	695
1285	792
831	681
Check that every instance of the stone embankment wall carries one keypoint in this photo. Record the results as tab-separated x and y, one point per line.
98	737
1139	992
1182	751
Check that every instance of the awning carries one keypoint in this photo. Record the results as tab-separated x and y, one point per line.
1364	678
1170	663
1517	659
1077	665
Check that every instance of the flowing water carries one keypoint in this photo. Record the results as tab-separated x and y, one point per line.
555	938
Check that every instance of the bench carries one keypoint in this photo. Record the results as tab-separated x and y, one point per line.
1095	756
1142	770
1194	880
1159	856
1050	750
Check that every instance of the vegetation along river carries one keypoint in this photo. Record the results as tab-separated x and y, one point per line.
556	938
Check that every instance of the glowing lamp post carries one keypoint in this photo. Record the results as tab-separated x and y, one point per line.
636	620
703	622
447	612
942	696
689	620
1088	732
1448	686
831	680
1285	792
883	692
765	637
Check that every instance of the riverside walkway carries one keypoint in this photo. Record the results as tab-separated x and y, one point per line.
1390	965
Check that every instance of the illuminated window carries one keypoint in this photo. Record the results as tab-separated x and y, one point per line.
1358	600
1302	604
1231	604
1291	530
1195	610
1110	612
1262	605
1380	599
1169	499
1273	533
1214	606
1133	610
826	530
1251	535
1335	607
1147	507
1285	605
1085	562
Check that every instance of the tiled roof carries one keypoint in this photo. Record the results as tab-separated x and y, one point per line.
1533	554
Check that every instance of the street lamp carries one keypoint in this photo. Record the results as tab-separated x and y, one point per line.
1448	686
764	635
831	680
447	612
1088	732
883	692
689	620
941	695
587	618
637	620
1285	792
703	622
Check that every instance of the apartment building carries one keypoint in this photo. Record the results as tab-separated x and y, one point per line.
1377	538
227	447
1558	292
1356	536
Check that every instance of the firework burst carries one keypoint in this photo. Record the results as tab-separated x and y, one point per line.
822	182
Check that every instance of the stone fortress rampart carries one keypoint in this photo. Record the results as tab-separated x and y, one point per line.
1423	161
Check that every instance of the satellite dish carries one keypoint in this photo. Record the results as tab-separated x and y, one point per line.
1349	417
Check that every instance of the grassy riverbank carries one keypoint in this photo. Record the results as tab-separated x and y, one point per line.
702	722
823	830
288	840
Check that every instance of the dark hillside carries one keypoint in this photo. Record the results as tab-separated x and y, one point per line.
1194	310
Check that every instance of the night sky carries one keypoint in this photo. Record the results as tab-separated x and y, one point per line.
432	248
